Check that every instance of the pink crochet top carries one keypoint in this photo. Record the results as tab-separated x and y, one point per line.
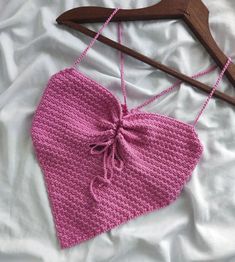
104	163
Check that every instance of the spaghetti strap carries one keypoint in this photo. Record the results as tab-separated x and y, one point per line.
177	84
172	87
123	84
83	54
169	89
212	91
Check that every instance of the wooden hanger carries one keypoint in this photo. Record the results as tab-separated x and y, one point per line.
193	12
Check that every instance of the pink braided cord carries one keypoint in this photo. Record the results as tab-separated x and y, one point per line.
176	84
81	57
111	161
212	91
172	87
169	89
123	85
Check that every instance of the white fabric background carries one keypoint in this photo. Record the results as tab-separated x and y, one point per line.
200	225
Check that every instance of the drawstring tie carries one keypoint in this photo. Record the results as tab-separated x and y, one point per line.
111	159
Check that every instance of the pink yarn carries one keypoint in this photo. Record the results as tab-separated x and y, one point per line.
104	165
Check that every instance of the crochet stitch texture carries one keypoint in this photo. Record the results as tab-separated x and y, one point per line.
104	164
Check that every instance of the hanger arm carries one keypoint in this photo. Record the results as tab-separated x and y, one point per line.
194	13
95	14
149	61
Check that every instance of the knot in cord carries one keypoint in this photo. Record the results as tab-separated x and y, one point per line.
111	158
117	128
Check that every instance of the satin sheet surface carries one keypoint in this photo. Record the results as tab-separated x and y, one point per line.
200	225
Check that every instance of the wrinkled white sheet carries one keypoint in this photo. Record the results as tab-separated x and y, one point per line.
200	225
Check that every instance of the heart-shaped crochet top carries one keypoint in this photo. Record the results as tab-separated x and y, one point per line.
104	164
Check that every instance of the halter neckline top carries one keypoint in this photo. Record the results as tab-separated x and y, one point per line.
104	163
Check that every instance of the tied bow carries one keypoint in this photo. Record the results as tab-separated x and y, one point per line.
111	160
